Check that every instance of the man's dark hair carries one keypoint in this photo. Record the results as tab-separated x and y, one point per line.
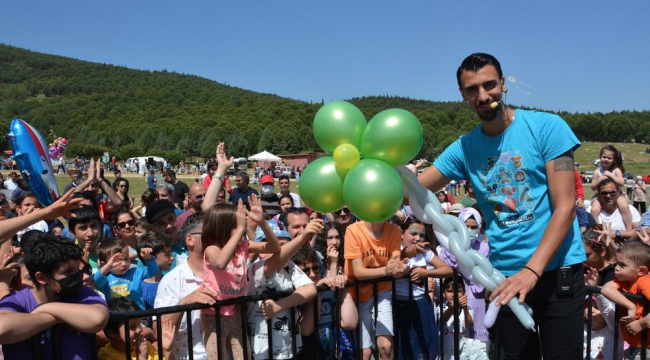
77	172
284	177
48	254
476	62
30	238
606	181
119	306
190	225
244	176
295	211
87	195
157	241
83	215
305	255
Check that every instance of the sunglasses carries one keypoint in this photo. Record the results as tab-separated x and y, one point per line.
199	197
122	225
3	202
314	269
87	269
608	193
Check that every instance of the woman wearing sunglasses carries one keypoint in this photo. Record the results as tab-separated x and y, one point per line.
121	187
124	228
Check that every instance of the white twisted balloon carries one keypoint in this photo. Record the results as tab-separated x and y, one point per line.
454	236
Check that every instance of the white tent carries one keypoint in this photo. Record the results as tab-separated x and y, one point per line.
264	156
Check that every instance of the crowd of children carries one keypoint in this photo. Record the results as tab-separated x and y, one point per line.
63	289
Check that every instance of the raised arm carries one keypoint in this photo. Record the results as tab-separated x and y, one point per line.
223	163
278	260
59	208
95	316
561	186
219	259
433	179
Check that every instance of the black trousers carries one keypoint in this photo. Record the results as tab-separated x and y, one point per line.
640	206
560	321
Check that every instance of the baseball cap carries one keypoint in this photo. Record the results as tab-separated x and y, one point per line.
455	209
278	229
267	179
157	209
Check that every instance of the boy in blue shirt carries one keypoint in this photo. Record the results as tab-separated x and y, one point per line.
115	277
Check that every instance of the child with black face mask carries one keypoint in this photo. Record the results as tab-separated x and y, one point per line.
58	297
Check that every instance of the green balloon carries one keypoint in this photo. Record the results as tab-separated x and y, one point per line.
321	188
372	190
336	123
393	136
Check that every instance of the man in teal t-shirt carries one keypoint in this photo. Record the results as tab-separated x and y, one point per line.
520	165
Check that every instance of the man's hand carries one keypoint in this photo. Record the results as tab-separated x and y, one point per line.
201	295
520	283
314	227
145	253
643	235
580	202
334	282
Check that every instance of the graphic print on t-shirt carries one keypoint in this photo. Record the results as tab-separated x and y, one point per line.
504	177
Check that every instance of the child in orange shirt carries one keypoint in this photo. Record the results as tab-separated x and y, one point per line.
372	250
632	265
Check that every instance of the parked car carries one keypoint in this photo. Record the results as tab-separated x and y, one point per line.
588	176
242	165
596	162
145	162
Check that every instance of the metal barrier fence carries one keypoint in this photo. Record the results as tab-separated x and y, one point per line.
315	352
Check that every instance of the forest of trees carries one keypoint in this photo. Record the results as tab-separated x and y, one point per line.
100	107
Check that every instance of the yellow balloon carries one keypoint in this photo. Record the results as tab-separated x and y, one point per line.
346	155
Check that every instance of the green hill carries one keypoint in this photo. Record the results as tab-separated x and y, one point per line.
101	107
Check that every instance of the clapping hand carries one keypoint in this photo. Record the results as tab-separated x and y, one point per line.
397	267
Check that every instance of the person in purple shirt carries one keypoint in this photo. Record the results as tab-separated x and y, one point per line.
52	307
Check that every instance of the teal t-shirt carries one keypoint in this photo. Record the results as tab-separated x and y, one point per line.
508	174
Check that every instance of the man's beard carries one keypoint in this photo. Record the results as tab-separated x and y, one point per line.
490	114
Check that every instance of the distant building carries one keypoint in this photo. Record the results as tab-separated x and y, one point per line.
298	160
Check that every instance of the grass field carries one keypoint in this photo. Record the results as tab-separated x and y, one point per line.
636	162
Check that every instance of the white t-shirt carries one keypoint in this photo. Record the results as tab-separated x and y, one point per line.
289	277
174	286
616	219
602	341
420	260
40	226
10	185
448	329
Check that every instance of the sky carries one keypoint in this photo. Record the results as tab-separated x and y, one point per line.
577	56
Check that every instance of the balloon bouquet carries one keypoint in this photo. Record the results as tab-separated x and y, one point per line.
365	172
57	148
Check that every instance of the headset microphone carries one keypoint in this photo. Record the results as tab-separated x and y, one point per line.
495	104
